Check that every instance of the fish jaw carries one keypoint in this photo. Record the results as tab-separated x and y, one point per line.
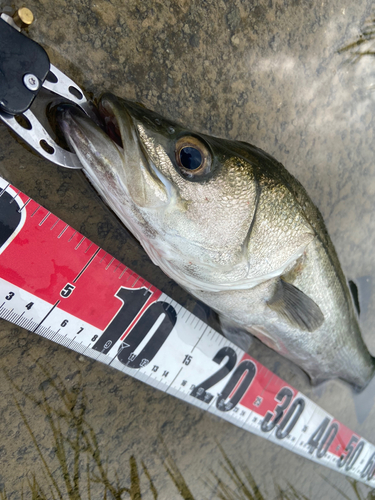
101	159
146	186
123	177
113	171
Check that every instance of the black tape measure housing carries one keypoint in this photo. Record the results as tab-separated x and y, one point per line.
19	56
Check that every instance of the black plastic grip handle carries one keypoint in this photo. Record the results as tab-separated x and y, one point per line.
19	56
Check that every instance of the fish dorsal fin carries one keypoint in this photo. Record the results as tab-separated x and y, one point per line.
354	291
296	307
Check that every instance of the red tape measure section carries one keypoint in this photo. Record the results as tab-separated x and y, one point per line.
54	262
81	292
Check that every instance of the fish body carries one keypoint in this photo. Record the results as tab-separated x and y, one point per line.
229	224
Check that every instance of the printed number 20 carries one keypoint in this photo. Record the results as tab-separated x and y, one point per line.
245	372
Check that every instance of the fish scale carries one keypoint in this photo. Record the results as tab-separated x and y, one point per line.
60	285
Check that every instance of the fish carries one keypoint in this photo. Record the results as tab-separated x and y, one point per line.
231	226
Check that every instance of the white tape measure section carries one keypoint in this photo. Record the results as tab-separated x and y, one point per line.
148	336
14	308
183	362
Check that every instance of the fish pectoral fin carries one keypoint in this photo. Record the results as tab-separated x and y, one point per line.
296	307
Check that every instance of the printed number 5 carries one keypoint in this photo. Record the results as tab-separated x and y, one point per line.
67	290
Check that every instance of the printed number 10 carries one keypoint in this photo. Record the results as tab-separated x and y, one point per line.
159	315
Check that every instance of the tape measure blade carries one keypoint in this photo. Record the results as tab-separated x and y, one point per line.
56	283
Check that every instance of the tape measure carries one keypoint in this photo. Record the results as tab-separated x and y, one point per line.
58	284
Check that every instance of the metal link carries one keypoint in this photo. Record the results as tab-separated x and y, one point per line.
37	136
65	87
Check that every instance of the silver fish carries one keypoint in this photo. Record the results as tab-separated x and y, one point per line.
229	224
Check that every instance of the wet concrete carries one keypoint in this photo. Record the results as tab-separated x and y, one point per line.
270	73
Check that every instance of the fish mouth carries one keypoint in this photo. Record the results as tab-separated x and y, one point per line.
114	120
121	121
115	146
115	114
110	121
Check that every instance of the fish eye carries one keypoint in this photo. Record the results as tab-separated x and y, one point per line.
192	156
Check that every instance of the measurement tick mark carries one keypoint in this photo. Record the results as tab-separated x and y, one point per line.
86	266
44	218
54	225
88	248
63	231
12	200
35	211
123	272
199	339
179	371
109	265
80	243
35	329
70	239
4	189
23	206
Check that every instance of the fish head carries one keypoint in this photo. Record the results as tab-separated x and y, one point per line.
190	199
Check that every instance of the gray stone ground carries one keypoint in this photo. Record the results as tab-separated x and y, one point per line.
270	73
